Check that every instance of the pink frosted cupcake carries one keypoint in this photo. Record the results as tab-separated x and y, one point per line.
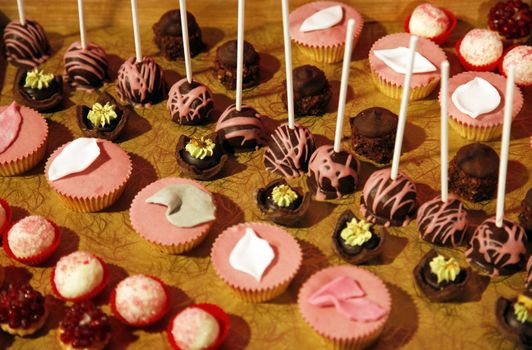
319	28
5	216
431	22
480	50
258	261
388	63
23	138
476	104
31	240
88	174
521	58
346	305
173	231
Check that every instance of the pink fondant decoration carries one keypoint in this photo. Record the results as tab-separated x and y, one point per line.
359	309
10	120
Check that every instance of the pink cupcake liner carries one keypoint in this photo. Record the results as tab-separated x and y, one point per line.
440	39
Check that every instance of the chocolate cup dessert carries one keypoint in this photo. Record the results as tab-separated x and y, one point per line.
428	282
510	325
201	169
357	254
288	216
41	100
110	132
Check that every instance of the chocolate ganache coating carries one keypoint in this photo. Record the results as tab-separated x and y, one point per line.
169	36
498	250
26	45
309	80
289	151
388	202
86	68
228	51
242	129
525	216
374	122
478	160
141	83
189	103
529	274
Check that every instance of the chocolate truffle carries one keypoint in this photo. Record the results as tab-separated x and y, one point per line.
332	175
514	317
289	151
442	223
189	103
202	158
312	91
388	202
141	83
86	68
498	250
356	240
281	203
105	119
225	65
38	90
473	172
525	216
373	134
169	38
26	45
242	129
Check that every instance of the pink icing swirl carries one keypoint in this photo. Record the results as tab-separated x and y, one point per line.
26	45
86	68
10	121
140	83
192	107
246	125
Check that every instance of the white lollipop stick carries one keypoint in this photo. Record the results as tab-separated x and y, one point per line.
240	54
21	17
288	64
444	131
402	112
136	30
505	145
343	85
186	44
82	33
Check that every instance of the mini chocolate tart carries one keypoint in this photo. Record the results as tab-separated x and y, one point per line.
287	216
201	169
361	253
428	281
108	132
510	325
41	100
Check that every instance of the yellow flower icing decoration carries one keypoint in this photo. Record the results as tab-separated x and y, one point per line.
357	232
283	196
523	309
37	79
101	116
445	269
200	148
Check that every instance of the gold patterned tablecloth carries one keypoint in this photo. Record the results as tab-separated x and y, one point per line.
150	139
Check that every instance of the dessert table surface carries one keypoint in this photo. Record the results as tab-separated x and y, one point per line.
150	139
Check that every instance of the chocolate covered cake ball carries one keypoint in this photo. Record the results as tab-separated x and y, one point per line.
242	129
289	151
332	175
312	91
442	223
525	216
388	202
86	68
498	250
190	103
225	65
528	283
26	45
169	37
141	83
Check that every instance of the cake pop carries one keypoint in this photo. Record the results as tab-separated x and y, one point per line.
26	44
242	129
141	83
190	103
86	68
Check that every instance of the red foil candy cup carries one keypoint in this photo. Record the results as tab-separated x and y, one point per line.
87	296
223	321
471	67
37	259
440	39
9	215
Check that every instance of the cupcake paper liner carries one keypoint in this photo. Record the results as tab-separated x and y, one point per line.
26	161
396	91
9	216
440	39
37	259
469	66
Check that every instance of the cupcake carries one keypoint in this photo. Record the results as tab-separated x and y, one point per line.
170	228
388	66
38	90
22	310
197	327
84	326
5	216
476	104
88	174
511	20
140	300
32	240
473	172
257	261
105	119
312	91
319	28
521	58
514	317
431	22
525	216
346	305
24	134
79	276
225	65
479	50
201	158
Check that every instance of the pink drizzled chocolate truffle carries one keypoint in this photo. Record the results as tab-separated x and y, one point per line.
242	129
141	83
86	68
189	103
26	45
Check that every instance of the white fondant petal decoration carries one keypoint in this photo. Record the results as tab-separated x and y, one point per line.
251	255
187	205
323	19
476	97
77	156
10	121
397	60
